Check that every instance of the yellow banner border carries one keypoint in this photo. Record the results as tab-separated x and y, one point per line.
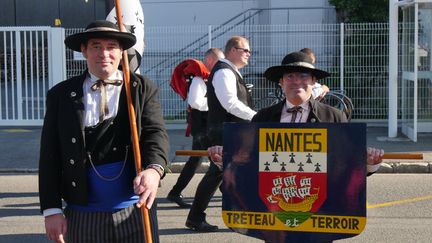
316	223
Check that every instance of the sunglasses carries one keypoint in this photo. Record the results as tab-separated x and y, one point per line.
244	50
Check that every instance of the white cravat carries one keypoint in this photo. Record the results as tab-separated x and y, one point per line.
92	99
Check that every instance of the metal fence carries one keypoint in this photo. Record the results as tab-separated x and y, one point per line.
356	55
23	74
32	59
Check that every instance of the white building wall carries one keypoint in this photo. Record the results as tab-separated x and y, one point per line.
302	12
215	12
193	12
176	29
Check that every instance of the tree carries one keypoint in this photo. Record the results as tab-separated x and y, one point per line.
355	11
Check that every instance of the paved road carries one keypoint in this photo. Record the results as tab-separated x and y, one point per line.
20	149
399	211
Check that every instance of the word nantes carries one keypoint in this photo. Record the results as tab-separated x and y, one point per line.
296	140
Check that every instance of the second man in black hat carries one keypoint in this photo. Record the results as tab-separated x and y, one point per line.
297	76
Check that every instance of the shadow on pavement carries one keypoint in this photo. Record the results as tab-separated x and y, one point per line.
18	194
13	212
33	238
178	231
18	209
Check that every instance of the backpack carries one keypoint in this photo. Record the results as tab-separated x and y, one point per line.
181	80
183	74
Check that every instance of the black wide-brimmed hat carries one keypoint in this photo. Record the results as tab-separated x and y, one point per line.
294	62
100	29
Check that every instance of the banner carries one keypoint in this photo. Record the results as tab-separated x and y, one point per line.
287	182
133	19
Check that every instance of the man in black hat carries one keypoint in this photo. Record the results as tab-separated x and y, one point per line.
297	76
86	156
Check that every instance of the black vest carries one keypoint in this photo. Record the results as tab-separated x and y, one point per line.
108	141
217	115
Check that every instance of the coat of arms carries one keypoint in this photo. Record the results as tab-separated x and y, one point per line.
292	172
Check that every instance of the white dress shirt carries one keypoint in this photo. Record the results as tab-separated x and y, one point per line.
317	90
225	85
197	94
301	116
92	98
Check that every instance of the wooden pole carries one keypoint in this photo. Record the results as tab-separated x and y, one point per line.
191	153
403	156
133	125
412	156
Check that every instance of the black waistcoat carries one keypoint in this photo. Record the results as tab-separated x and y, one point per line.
217	115
108	141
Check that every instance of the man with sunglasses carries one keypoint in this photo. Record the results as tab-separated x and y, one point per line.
228	101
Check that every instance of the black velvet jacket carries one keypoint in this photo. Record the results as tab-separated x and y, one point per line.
319	113
63	163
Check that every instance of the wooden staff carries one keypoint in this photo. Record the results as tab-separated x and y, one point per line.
385	156
191	153
403	156
133	125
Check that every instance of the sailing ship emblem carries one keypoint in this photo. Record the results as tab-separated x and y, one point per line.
293	172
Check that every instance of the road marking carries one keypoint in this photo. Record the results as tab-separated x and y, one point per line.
15	130
416	199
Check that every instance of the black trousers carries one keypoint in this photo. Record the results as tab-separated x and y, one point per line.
205	191
188	171
198	121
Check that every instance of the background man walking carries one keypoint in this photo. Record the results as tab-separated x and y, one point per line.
197	101
228	101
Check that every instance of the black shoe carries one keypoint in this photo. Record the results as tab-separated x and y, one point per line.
179	200
201	226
